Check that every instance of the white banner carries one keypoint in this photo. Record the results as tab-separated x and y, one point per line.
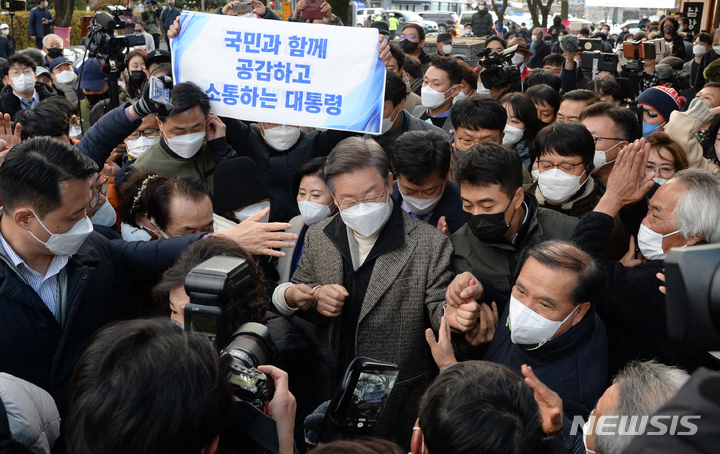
649	4
290	73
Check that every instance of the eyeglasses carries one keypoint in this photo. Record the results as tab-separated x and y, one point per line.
406	37
651	114
101	190
566	167
16	72
595	139
147	132
665	171
352	203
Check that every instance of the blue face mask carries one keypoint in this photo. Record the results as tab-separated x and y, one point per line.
649	129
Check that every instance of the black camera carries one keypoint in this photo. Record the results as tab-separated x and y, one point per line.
13	5
103	44
497	70
211	286
251	346
604	62
692	280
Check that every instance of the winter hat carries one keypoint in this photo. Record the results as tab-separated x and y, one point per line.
664	72
663	99
238	183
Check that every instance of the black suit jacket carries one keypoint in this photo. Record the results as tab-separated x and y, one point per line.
449	206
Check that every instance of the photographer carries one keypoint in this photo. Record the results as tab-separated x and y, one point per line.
292	336
148	386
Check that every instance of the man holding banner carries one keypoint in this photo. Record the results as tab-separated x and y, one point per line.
282	80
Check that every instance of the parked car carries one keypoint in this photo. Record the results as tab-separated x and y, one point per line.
409	17
446	20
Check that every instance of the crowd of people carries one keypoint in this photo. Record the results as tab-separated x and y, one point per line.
503	246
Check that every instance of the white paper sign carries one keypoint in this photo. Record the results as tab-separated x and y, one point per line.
290	73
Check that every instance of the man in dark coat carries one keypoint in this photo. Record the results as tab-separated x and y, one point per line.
539	47
22	90
40	22
482	21
421	166
630	303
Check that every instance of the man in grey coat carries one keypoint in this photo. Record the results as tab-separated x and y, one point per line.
373	279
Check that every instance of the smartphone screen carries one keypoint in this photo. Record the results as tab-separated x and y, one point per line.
370	397
243	7
158	92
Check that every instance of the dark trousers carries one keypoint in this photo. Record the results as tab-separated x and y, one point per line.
167	40
38	42
156	38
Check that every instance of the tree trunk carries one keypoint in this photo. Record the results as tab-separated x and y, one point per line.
500	12
341	8
63	12
564	6
534	6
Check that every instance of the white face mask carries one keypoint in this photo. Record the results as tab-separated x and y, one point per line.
67	243
366	218
122	84
535	174
600	159
421	206
447	48
65	77
557	186
432	98
136	147
660	181
468	32
512	135
459	98
130	233
699	50
650	243
481	7
250	210
105	216
534	38
187	145
527	327
312	212
482	90
517	59
76	132
6	31
716	49
281	137
387	123
24	83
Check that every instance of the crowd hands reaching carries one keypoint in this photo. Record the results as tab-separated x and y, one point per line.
504	246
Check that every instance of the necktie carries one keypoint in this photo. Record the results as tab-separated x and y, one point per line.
26	103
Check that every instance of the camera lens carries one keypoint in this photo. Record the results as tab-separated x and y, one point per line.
251	345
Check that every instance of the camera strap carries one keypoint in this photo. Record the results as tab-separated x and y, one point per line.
254	424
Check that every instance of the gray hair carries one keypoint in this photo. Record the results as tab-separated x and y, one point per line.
642	388
355	153
697	212
47	38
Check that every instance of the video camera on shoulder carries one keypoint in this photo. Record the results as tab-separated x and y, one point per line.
497	70
212	286
639	50
102	42
361	398
599	61
591	44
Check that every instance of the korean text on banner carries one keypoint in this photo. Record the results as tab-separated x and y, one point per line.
292	73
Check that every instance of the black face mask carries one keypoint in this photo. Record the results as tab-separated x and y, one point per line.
488	227
408	46
55	52
94	99
138	77
543	124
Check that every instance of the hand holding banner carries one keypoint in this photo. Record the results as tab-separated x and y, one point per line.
283	72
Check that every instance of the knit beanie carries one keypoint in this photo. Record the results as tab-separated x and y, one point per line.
663	99
238	183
